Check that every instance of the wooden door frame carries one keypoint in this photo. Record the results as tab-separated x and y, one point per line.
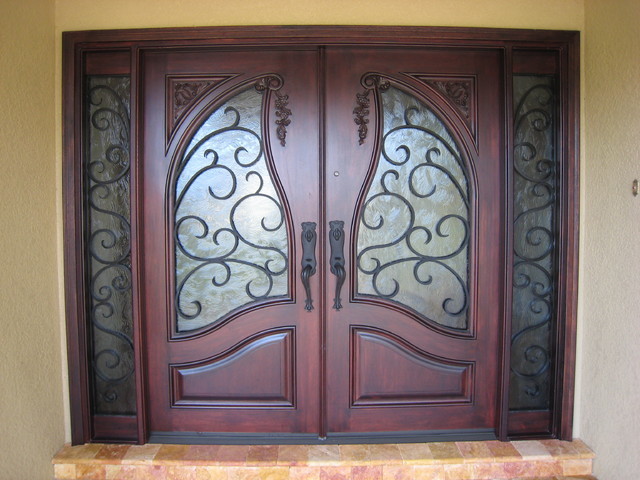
121	55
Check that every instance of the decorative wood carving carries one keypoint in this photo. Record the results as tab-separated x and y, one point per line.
275	83
458	91
370	81
184	91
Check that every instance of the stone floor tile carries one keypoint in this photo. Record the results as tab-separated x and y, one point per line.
415	453
503	451
91	472
293	455
532	449
428	472
171	454
212	473
111	454
79	452
201	454
560	448
121	472
141	454
262	455
335	473
304	473
324	455
475	451
583	466
583	450
355	454
458	471
397	472
258	473
64	471
181	472
445	452
232	454
368	472
151	472
388	454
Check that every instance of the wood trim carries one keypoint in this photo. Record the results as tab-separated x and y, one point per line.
73	255
569	261
131	41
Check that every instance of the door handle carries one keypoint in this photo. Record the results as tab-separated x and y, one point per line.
336	243
308	260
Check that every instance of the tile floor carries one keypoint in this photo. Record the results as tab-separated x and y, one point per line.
492	460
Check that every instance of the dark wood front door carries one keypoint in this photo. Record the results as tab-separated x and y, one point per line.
322	238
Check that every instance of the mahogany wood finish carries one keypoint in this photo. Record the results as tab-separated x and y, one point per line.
328	363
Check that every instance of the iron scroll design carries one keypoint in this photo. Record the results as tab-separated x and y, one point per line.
230	230
107	187
416	214
370	81
275	83
535	206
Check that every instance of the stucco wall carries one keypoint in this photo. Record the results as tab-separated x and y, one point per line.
30	402
31	405
610	393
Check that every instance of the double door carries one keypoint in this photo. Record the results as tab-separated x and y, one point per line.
322	240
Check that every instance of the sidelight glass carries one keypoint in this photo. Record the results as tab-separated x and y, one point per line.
231	240
413	235
535	204
108	240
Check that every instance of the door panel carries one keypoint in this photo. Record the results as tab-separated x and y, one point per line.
423	225
230	347
402	333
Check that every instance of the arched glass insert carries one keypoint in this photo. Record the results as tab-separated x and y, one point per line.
231	240
413	235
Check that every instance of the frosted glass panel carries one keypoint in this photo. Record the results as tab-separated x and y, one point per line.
534	237
413	235
107	127
230	235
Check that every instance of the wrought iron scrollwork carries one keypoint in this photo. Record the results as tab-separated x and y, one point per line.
336	243
275	83
535	205
370	81
309	237
416	216
108	242
230	231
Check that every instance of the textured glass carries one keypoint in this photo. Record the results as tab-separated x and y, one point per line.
413	235
230	235
534	237
108	242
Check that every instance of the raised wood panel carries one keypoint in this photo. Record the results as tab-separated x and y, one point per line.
419	378
258	372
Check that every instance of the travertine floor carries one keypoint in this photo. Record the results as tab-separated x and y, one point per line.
492	460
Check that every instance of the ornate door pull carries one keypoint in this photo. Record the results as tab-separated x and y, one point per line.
336	242
308	260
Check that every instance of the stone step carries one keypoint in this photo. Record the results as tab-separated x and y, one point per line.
490	460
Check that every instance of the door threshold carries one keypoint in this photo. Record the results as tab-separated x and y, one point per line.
202	438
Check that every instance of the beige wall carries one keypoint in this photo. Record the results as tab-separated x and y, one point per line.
31	400
610	393
31	405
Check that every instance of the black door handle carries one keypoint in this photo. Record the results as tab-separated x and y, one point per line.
336	243
308	260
